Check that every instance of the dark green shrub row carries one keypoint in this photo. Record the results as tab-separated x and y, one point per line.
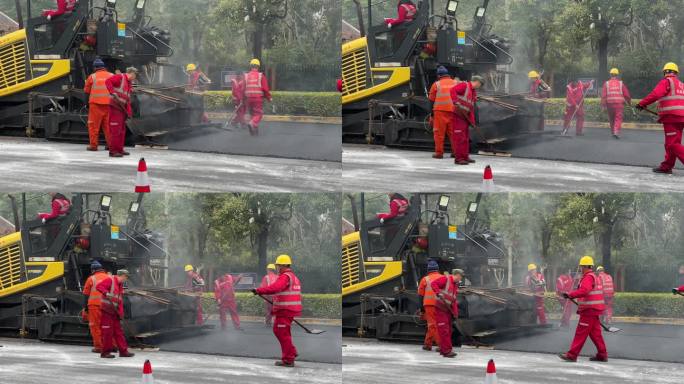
321	306
554	109
635	304
284	103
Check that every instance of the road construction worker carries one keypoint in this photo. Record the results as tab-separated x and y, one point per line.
112	310
197	80
398	207
93	299
224	292
589	296
442	109
669	93
574	105
195	283
256	90
60	207
680	289
538	88
564	284
239	101
464	97
63	6
406	11
534	280
614	96
429	300
120	89
267	280
608	293
287	304
98	104
445	289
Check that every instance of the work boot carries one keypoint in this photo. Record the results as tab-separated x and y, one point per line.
125	153
107	356
453	156
616	136
436	156
288	364
579	134
126	354
115	154
660	170
426	348
450	355
461	162
564	356
92	149
596	358
471	161
96	350
106	147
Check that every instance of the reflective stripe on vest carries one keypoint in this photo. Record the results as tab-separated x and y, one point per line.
111	296
572	91
63	206
410	11
95	296
443	96
120	92
614	92
99	94
465	102
291	297
607	282
430	298
447	295
253	85
594	299
403	205
673	104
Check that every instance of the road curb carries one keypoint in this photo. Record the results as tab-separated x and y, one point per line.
596	124
636	320
304	320
286	118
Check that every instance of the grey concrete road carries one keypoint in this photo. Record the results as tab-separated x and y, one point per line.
39	165
258	341
376	168
34	362
376	362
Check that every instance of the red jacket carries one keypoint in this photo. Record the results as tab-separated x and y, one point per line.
563	284
459	90
405	13
538	285
615	83
252	77
281	284
340	86
397	208
119	84
237	90
104	288
587	285
60	207
63	6
440	284
661	90
575	94
537	91
194	282
223	288
681	289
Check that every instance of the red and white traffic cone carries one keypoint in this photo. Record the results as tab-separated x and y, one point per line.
490	377
147	377
142	181
488	180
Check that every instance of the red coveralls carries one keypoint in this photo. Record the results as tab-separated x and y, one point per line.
60	207
446	289
670	96
564	285
398	207
535	282
574	104
613	97
225	298
98	106
119	86
238	94
591	306
267	280
256	89
112	291
195	283
287	304
681	288
442	110
537	91
463	95
63	6
405	13
608	293
94	302
429	303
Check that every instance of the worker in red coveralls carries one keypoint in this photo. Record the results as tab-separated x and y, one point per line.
256	90
538	88
591	302
195	283
574	106
63	6
112	310
406	10
287	304
464	97
60	207
267	280
446	308
224	292
239	103
608	293
564	284
120	88
669	93
398	207
534	280
614	96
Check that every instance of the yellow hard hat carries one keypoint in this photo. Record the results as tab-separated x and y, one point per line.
531	266
586	261
271	266
255	62
188	268
671	67
283	260
190	67
533	74
614	71
599	268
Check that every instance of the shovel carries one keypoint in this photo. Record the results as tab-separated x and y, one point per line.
307	330
610	329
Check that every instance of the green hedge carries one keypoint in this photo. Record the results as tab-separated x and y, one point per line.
320	306
554	109
635	304
325	104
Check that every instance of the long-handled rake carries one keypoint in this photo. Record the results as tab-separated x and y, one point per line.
307	330
610	329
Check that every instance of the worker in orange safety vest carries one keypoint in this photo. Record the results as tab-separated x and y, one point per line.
442	109
429	301
98	104
93	299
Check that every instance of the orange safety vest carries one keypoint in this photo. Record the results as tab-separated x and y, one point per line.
607	281
94	296
614	93
443	96
594	300
467	101
410	11
429	299
448	295
673	103
98	90
253	87
291	298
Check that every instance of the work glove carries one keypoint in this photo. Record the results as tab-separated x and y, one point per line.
254	291
382	221
42	220
565	295
675	291
389	25
639	107
49	17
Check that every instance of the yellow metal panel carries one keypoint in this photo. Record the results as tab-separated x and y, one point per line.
10	239
59	68
358	44
399	76
54	270
351	249
391	270
13	37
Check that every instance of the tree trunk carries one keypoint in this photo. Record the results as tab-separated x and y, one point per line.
606	241
262	248
257	40
603	56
